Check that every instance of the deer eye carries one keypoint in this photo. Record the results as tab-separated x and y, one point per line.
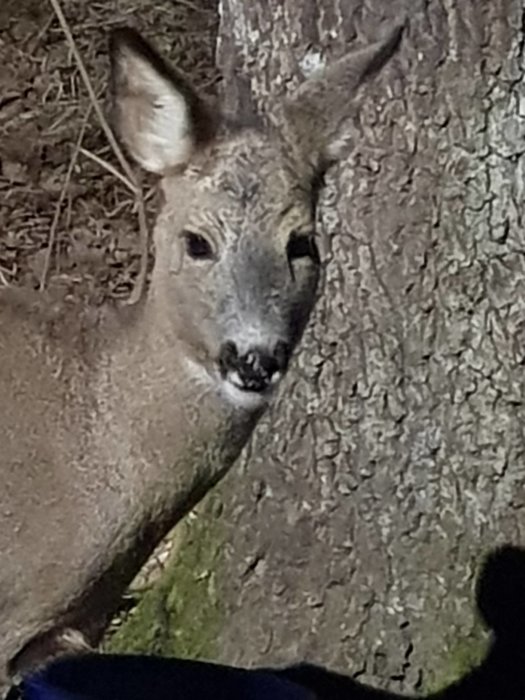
302	245
197	246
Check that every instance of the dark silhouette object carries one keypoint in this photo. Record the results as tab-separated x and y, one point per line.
501	603
501	676
123	677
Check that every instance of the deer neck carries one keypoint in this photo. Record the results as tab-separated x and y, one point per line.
181	434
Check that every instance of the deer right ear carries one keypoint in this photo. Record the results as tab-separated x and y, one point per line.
316	113
156	114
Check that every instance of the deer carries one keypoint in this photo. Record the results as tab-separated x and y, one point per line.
115	421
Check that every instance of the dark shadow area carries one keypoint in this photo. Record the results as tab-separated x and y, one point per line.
500	599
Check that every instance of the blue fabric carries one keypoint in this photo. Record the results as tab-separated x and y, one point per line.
126	677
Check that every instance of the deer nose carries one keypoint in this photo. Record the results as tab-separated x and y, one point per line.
257	368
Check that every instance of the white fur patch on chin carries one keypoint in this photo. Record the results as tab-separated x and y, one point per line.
241	398
228	389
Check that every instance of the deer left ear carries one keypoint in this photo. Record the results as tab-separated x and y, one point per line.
314	115
157	115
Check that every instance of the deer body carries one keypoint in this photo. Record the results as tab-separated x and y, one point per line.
104	483
113	422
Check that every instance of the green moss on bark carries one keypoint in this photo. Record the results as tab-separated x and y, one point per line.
181	614
461	657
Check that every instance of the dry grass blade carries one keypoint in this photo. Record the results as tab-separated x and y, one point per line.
130	176
58	207
110	168
193	6
94	101
138	289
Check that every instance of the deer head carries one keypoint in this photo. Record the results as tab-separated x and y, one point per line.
237	265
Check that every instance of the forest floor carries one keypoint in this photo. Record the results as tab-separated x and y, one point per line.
66	222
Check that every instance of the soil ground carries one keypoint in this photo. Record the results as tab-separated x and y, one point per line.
66	223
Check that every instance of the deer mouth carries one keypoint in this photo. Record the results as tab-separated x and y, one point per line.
250	377
254	373
250	392
254	383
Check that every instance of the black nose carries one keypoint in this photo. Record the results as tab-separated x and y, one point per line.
255	369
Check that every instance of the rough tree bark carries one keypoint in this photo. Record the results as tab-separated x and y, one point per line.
395	458
356	522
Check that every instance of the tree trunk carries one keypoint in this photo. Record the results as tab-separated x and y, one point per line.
355	524
394	459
